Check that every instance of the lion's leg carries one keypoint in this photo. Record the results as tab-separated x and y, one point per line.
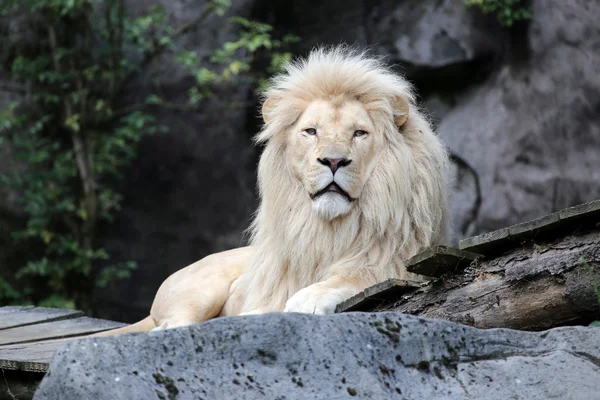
323	297
198	292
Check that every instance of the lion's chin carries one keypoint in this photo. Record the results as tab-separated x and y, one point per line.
331	205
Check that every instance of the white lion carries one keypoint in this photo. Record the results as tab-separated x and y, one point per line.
352	183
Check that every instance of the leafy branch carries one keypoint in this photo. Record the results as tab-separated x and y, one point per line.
506	11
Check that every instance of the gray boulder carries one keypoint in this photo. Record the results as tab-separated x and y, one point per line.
299	356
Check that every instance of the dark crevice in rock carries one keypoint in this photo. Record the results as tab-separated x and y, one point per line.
451	78
474	214
519	50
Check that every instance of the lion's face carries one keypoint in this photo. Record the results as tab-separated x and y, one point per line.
332	150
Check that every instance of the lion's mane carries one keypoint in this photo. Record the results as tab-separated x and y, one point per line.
402	209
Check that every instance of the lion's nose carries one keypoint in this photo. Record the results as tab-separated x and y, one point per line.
334	163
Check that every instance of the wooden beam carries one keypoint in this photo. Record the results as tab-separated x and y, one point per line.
375	295
440	260
548	227
55	330
33	357
11	309
582	211
486	243
15	316
30	335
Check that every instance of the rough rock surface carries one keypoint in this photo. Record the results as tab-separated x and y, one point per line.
298	356
429	35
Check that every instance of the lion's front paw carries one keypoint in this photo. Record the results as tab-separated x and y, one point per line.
315	300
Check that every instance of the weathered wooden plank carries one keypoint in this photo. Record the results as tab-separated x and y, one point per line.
589	211
440	260
533	225
55	329
33	357
35	315
383	292
550	226
11	309
485	243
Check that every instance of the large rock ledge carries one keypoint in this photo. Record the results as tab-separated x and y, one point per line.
360	355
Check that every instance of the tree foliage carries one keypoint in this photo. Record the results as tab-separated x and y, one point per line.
75	135
506	11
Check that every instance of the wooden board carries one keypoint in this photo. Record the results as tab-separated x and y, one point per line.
383	292
57	329
12	309
440	260
33	315
33	357
545	228
483	244
29	335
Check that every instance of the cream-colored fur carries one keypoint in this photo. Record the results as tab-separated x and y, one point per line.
311	250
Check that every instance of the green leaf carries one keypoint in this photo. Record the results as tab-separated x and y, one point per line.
7	292
154	99
507	11
220	6
82	213
99	105
205	76
115	272
57	301
73	122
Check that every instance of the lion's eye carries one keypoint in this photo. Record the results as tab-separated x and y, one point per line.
360	133
311	131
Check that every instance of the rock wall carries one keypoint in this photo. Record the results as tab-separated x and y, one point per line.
531	130
518	108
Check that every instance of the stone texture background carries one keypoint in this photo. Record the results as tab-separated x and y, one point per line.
519	108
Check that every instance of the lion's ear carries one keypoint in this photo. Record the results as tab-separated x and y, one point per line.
400	106
268	107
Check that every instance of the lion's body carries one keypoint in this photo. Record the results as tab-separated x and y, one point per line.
352	183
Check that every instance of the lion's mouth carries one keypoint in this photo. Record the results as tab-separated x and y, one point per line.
332	188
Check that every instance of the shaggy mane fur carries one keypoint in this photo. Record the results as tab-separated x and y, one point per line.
402	209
